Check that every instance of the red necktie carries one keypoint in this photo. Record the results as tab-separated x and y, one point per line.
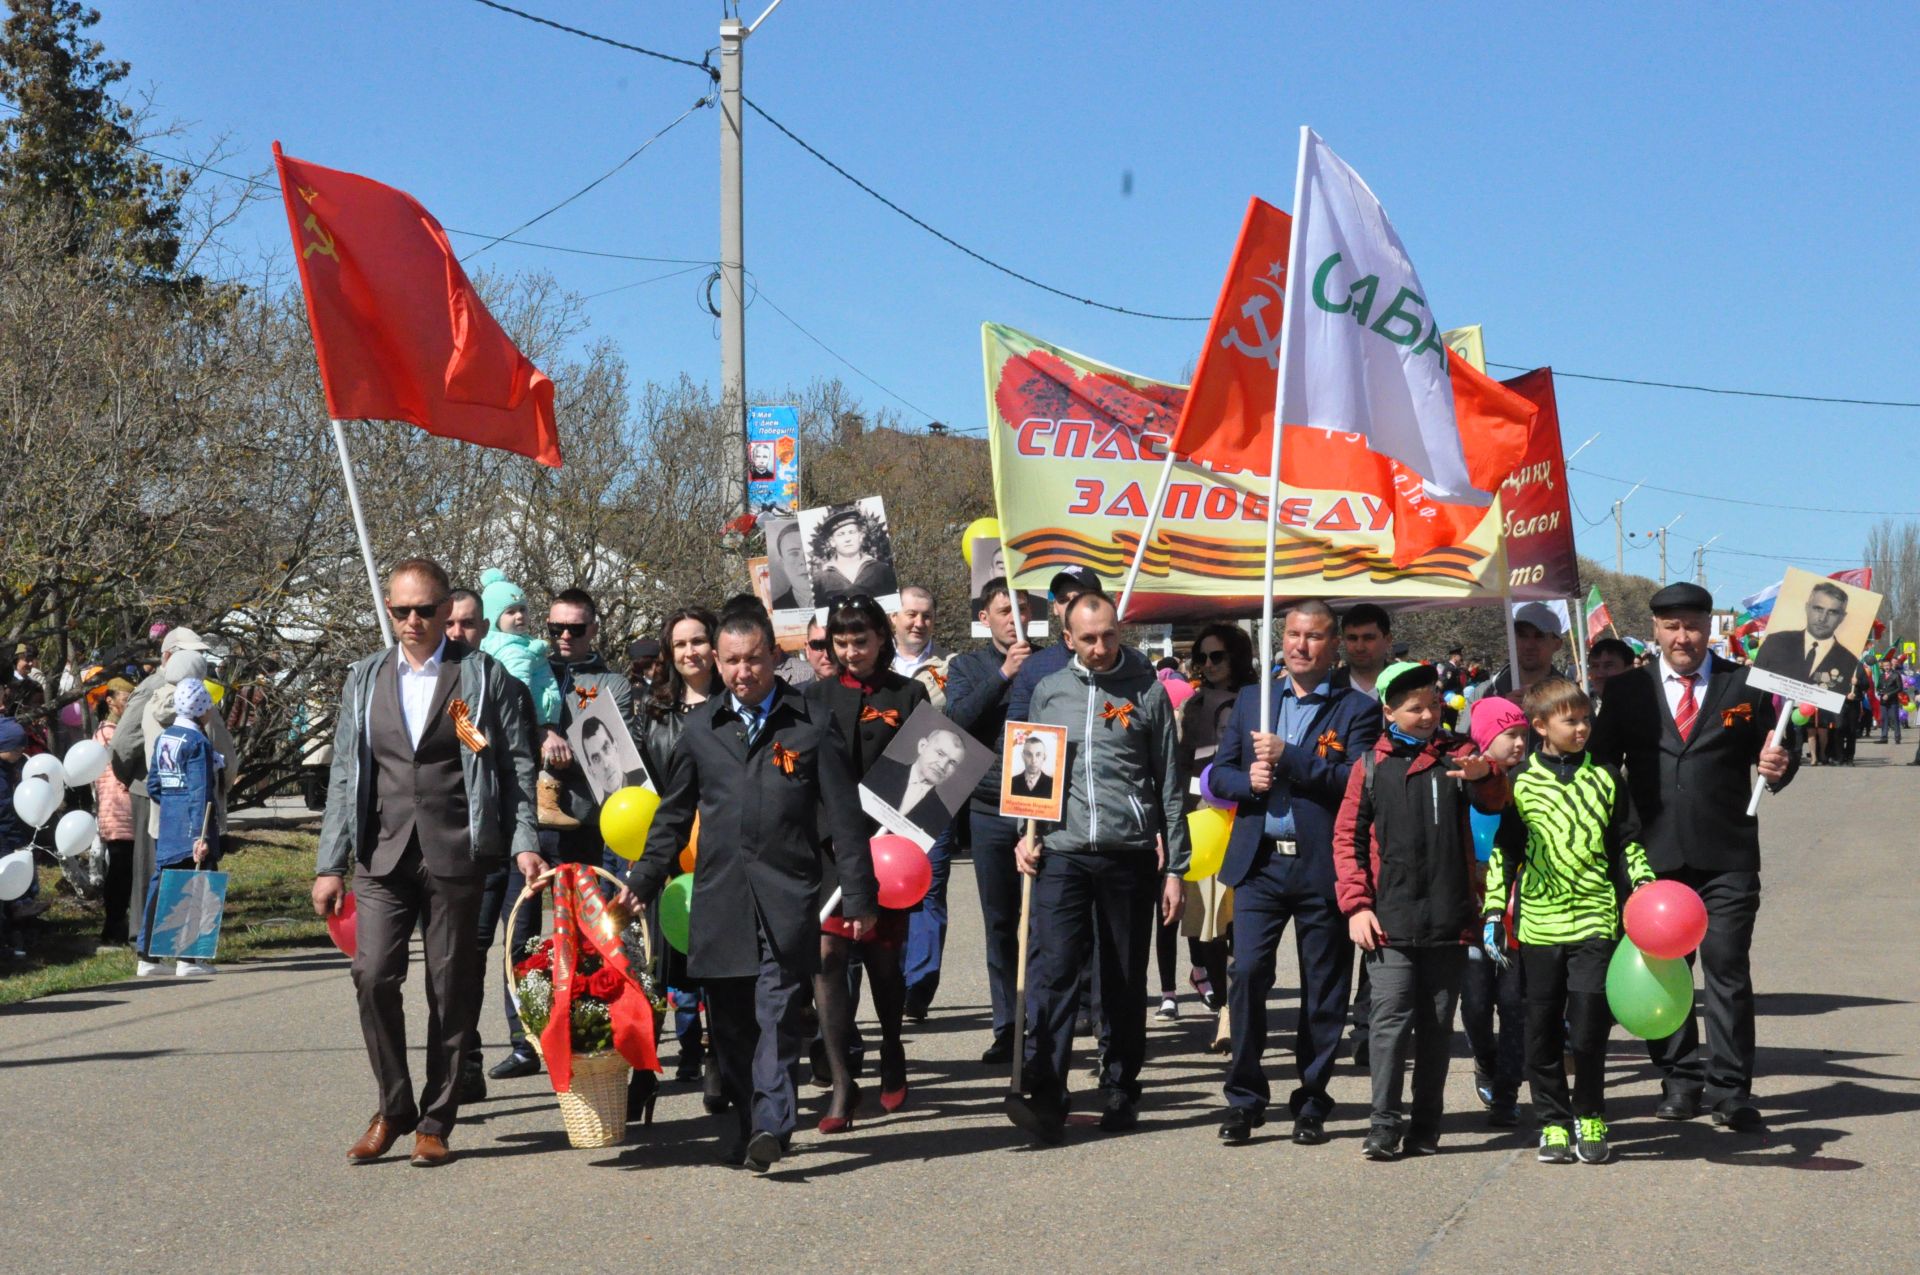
1687	709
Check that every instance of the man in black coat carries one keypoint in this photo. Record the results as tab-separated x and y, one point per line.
1687	730
758	764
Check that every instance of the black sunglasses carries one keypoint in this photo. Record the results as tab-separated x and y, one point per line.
566	630
426	612
817	644
1211	657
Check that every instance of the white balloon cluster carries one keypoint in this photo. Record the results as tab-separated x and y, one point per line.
39	795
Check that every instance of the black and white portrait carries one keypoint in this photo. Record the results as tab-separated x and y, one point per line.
849	551
924	777
603	749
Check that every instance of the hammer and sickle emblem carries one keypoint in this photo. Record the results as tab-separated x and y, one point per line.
322	241
1268	345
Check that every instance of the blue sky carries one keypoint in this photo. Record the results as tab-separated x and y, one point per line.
1685	193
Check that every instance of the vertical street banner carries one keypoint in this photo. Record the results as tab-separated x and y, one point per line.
1536	519
1077	449
773	459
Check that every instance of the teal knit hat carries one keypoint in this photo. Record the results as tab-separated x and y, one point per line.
497	593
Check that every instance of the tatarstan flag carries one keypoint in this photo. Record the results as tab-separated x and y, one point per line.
398	329
1598	617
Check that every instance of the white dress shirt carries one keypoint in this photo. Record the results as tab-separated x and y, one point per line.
416	689
1674	683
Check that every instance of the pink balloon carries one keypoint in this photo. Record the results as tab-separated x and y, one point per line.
70	714
343	927
1666	919
903	871
1178	690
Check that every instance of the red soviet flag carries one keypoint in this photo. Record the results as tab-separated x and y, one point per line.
398	330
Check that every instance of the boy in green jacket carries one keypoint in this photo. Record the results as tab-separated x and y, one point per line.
1580	851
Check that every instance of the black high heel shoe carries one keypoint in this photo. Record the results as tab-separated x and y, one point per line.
643	1090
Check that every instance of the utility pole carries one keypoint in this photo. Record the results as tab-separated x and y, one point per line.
1620	536
1700	564
733	288
1662	533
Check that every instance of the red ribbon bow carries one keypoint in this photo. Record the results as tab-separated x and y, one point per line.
580	916
1329	742
784	758
1739	712
1122	713
587	694
939	678
891	716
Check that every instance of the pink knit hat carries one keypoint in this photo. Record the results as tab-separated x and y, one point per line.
1492	718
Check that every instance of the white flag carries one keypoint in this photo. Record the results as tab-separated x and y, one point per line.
1364	354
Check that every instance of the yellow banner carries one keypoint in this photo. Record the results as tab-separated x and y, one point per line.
1077	451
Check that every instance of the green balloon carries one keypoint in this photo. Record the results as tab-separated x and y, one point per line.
1649	996
676	911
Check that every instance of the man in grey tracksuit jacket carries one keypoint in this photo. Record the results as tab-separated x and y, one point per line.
1101	867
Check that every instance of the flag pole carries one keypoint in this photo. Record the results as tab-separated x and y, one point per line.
360	529
1146	533
1293	294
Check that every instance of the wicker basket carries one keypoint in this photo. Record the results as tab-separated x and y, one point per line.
594	1110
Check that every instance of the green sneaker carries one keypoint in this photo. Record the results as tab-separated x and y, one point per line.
1591	1140
1556	1145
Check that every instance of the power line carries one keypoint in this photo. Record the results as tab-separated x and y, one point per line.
950	241
641	283
1709	389
1773	557
761	293
705	101
600	39
1756	504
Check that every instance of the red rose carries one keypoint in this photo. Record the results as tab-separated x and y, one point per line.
605	984
541	960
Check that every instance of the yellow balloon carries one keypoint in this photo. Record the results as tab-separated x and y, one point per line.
978	529
215	691
1208	829
625	818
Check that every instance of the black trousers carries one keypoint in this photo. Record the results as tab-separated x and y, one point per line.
1724	958
756	1027
116	891
1567	989
998	880
1261	912
1491	993
390	906
1415	990
493	900
1090	907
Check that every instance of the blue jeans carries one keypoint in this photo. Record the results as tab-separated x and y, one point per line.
927	924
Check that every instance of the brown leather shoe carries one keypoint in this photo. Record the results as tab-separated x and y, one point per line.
379	1138
429	1151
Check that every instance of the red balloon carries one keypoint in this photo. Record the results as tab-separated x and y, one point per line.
1666	919
1808	711
343	927
903	870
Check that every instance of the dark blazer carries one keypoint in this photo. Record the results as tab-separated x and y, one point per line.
1785	652
1043	790
888	780
1691	794
760	851
1317	774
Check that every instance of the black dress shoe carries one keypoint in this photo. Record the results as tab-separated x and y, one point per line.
1000	1052
1119	1115
1238	1124
1738	1115
689	1068
713	1095
764	1151
1678	1105
473	1083
1309	1131
1042	1120
1083	1024
515	1065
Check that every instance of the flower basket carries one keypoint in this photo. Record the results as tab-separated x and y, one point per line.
608	997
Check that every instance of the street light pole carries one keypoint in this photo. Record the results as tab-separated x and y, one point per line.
733	316
1700	564
1619	535
1662	533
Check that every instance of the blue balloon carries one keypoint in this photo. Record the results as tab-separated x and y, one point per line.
1484	825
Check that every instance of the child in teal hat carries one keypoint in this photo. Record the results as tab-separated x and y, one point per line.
504	604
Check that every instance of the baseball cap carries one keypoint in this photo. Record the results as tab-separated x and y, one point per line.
1540	616
1074	580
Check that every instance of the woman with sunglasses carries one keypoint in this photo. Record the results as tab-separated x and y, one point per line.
687	641
869	703
1222	662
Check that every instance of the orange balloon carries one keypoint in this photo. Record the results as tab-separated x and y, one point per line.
686	859
691	854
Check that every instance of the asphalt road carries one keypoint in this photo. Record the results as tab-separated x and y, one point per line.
203	1125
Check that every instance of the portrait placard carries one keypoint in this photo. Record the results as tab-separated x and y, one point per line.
603	749
789	586
929	769
1031	783
849	550
1813	641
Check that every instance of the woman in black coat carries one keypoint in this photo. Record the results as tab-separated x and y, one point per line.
869	703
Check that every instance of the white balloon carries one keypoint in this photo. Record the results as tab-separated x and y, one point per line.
45	764
35	800
16	875
86	761
73	834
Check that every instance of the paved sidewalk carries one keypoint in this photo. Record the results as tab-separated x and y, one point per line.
203	1125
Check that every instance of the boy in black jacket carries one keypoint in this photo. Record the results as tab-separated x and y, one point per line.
1403	849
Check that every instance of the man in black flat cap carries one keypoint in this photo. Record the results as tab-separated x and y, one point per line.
1687	730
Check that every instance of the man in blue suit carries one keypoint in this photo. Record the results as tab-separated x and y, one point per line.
1287	776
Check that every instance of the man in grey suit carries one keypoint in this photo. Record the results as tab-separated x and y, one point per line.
758	764
431	787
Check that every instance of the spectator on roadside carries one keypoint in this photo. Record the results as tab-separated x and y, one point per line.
113	814
643	666
13	833
130	745
184	778
916	654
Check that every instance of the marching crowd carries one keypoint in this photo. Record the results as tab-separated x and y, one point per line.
1349	780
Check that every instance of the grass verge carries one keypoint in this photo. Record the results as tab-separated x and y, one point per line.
268	911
